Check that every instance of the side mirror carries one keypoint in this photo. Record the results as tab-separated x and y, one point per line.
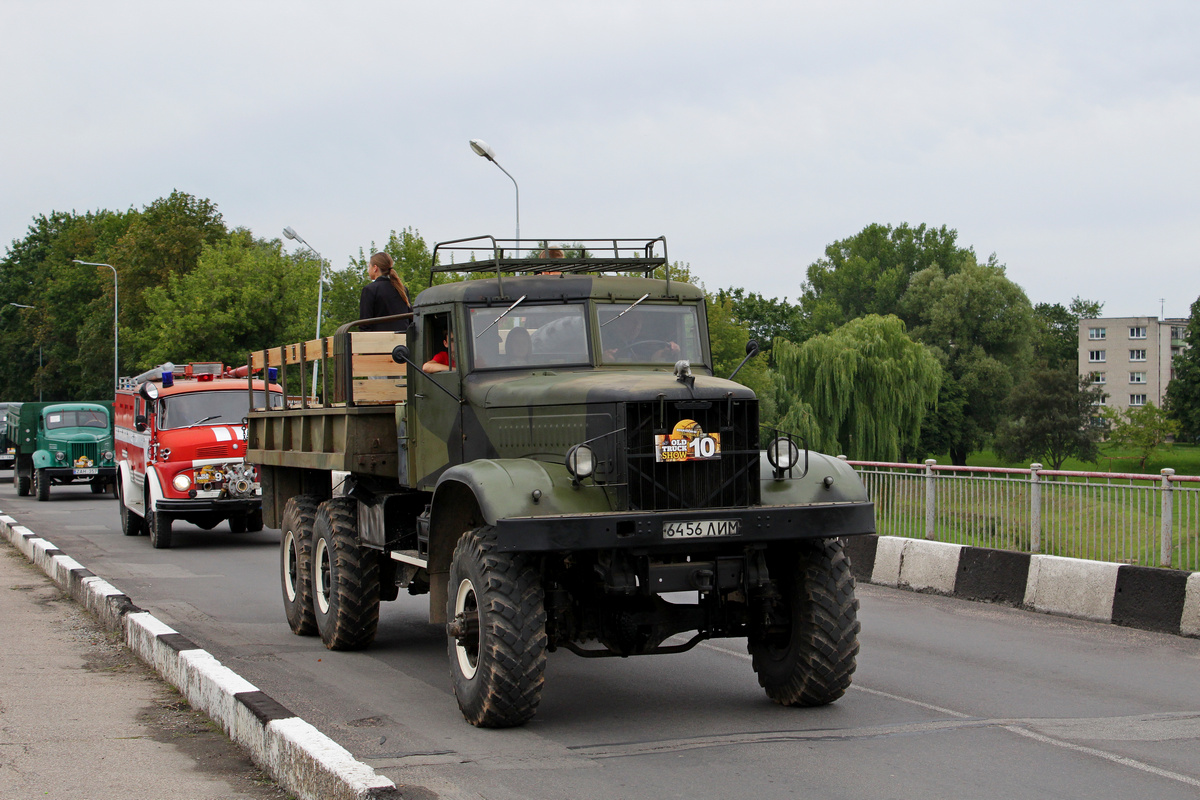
140	423
400	354
751	352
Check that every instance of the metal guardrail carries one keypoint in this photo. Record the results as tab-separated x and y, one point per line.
1104	516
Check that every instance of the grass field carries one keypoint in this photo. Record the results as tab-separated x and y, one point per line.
1183	458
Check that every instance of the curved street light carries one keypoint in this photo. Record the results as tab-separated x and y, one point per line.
116	328
290	233
484	150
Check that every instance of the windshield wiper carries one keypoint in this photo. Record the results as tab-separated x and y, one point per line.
626	311
206	419
520	300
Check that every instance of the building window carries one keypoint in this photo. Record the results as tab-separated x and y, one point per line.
1103	401
1137	377
1098	378
1137	355
1178	332
1097	333
1137	333
1137	399
1096	356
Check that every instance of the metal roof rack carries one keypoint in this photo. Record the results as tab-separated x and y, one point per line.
524	256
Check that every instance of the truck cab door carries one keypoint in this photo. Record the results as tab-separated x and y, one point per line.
434	424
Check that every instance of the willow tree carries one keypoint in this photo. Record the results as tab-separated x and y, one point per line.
862	390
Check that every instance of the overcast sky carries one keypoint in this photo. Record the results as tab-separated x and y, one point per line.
1063	137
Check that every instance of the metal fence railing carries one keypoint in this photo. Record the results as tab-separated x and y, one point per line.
1105	516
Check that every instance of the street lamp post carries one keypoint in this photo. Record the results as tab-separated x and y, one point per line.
116	327
290	233
482	149
22	305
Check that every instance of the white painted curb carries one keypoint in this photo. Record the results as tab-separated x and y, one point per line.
303	760
1190	624
1071	587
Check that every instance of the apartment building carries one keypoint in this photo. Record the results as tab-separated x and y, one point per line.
1130	357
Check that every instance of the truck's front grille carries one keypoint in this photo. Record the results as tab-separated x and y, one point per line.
89	449
730	481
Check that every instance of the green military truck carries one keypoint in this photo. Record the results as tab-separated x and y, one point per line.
61	443
548	455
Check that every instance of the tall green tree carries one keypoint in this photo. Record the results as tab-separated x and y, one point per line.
244	294
767	319
164	239
1051	417
978	322
869	273
1056	331
863	389
1183	392
727	338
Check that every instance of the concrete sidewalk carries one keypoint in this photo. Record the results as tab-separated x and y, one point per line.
82	717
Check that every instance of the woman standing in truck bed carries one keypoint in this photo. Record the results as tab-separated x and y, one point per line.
384	296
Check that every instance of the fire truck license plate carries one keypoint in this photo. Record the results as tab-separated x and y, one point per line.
83	471
701	527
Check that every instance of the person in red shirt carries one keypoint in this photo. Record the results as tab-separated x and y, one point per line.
442	362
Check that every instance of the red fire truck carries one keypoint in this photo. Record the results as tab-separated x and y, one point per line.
181	446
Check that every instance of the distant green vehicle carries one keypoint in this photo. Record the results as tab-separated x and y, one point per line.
61	443
8	453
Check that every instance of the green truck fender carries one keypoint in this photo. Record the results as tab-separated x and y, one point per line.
828	480
43	459
520	487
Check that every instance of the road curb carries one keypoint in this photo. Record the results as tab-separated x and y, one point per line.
1149	598
303	760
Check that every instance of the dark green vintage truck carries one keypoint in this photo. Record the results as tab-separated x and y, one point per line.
572	476
60	443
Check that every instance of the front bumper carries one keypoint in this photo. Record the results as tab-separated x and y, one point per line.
644	529
202	505
74	474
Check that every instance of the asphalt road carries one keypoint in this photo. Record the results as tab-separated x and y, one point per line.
951	699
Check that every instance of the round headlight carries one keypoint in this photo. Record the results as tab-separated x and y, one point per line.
60	456
783	453
581	461
181	482
107	455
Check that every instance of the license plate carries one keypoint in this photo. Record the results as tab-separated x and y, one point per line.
701	527
92	471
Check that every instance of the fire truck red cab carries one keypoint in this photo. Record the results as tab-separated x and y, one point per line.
180	449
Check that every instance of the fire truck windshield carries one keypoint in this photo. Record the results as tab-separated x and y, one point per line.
208	408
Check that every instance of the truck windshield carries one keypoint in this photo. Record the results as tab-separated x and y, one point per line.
649	334
78	418
529	335
208	408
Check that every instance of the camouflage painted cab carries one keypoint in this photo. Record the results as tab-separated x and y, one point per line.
569	473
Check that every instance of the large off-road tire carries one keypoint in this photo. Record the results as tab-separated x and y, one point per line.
809	661
131	524
496	633
160	528
345	578
295	563
41	484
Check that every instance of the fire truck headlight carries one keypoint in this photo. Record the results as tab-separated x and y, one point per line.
181	482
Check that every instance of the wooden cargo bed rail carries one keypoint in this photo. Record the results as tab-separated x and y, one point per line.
356	365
